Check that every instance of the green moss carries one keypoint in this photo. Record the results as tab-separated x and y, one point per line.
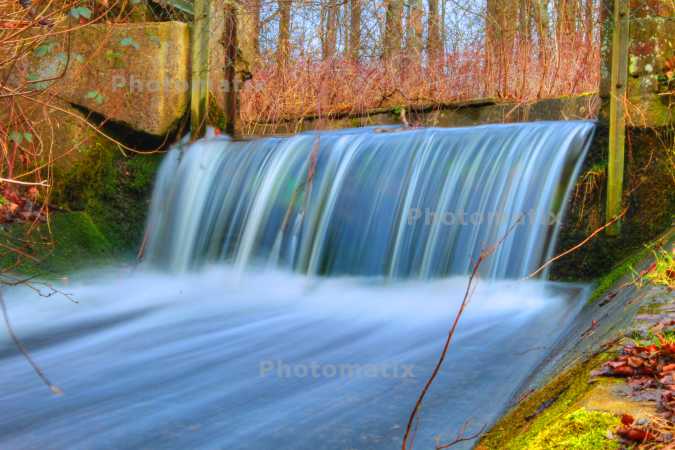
617	273
71	241
580	430
215	115
142	171
629	265
648	179
112	189
542	409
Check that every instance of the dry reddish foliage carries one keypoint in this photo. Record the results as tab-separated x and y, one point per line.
562	59
650	373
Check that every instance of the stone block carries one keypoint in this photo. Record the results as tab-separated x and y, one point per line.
136	73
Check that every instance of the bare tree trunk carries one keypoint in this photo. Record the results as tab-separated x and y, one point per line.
230	44
567	12
393	30
283	43
249	31
542	31
523	44
588	21
329	29
434	42
355	30
501	32
541	26
444	31
415	30
525	21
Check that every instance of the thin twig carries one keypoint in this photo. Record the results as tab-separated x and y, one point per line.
24	183
578	246
461	437
54	388
465	301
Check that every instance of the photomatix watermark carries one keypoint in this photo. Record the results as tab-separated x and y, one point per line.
461	217
280	369
134	83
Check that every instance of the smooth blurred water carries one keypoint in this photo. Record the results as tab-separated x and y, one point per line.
421	203
157	361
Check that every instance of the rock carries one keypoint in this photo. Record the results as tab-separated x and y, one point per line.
651	77
59	133
135	73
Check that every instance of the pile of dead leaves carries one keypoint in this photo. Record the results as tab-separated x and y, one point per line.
650	373
20	206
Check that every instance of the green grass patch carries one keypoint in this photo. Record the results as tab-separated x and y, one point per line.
663	273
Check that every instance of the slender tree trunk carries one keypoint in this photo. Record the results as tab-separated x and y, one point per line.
393	29
541	26
543	33
283	43
415	30
444	32
329	29
249	31
566	12
355	30
434	43
230	44
501	32
525	21
588	21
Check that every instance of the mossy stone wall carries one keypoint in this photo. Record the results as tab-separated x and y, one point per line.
649	194
99	205
113	189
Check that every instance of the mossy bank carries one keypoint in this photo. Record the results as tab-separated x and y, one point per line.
562	405
99	204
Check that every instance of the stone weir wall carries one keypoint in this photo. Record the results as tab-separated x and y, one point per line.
135	77
649	196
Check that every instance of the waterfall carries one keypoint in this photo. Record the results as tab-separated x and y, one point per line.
418	203
227	357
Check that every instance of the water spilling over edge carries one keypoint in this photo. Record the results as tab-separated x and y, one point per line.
409	204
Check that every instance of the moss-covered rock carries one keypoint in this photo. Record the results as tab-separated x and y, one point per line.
100	201
580	430
70	241
547	413
541	410
114	190
651	82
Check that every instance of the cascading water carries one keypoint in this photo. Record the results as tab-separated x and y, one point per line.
420	203
269	357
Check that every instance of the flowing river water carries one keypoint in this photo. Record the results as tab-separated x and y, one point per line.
295	297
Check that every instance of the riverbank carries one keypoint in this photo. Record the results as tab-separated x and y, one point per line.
563	405
98	206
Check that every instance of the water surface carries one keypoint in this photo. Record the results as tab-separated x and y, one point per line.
198	361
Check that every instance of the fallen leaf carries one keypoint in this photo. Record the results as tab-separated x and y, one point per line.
634	434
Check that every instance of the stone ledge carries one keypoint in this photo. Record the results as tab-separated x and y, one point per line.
137	73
